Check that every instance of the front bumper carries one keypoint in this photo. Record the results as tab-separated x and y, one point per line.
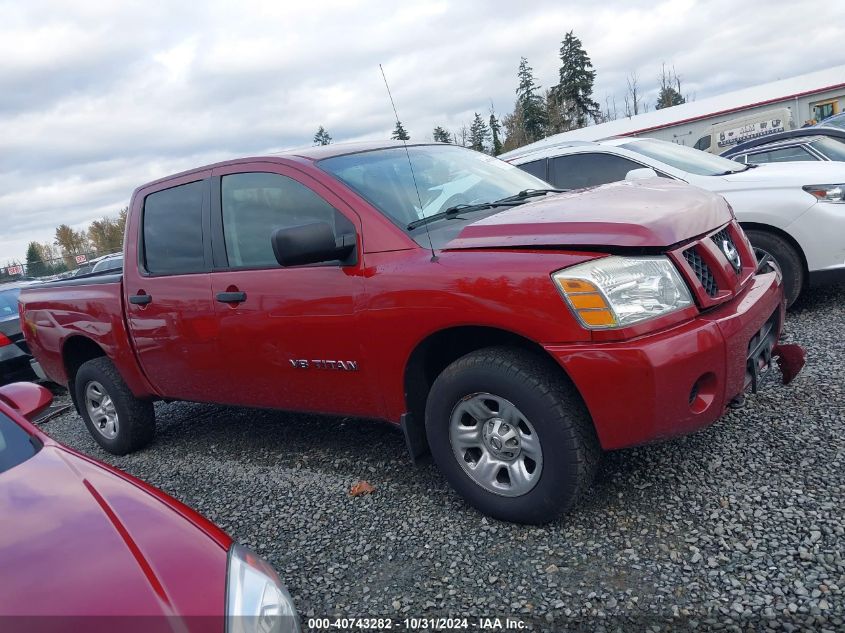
679	380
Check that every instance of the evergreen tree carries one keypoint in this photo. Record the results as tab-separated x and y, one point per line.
574	91
478	133
529	103
35	267
495	132
322	137
670	90
441	135
399	133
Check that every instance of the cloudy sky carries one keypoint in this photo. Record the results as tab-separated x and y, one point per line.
98	97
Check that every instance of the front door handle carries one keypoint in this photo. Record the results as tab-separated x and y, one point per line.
231	297
140	300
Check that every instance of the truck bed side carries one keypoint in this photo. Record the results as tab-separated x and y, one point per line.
69	322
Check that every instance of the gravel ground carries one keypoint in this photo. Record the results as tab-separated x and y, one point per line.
738	527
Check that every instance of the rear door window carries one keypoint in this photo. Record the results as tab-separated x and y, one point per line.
255	204
577	171
172	230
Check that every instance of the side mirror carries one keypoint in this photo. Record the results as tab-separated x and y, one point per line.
312	244
643	173
26	398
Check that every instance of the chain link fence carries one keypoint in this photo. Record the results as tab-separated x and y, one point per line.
59	267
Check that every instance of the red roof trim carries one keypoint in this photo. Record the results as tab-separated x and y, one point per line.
736	109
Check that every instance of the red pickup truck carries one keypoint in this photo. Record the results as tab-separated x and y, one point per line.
513	330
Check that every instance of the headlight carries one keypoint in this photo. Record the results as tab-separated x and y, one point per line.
256	600
828	193
615	292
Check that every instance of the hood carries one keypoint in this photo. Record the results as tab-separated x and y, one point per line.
646	213
793	173
79	540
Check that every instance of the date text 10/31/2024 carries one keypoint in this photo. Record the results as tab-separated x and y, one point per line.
417	624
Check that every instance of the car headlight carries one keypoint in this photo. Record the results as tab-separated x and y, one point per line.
827	193
615	292
256	600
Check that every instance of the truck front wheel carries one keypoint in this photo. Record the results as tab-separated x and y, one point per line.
116	419
511	434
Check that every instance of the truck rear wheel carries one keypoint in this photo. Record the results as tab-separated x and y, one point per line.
116	419
511	435
785	258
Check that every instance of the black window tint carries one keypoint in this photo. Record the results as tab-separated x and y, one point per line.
535	168
173	230
577	171
254	205
15	446
703	143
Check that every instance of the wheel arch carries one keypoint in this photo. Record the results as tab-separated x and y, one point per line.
76	351
436	352
759	226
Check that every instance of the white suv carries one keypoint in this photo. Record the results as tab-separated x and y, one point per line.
793	213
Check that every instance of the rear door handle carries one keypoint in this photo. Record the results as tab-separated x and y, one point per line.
231	297
140	300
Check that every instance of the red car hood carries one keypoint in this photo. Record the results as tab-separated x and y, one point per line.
79	540
648	213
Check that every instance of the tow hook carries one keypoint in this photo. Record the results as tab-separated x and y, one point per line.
737	402
791	359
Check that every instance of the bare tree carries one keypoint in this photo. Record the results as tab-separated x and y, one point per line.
634	103
610	112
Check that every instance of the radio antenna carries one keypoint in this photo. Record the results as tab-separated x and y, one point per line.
410	164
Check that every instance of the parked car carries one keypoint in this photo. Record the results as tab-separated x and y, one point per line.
109	263
16	363
791	212
817	143
835	121
812	148
83	539
464	301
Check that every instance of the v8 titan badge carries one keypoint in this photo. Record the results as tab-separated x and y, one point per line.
337	365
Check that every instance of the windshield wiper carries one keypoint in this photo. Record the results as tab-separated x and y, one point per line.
531	193
457	210
510	201
738	171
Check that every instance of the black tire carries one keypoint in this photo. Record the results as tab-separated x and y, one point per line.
135	417
785	256
542	395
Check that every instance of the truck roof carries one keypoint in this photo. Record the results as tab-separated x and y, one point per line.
313	153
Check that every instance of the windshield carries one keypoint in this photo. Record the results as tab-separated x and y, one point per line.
834	121
686	159
9	302
445	176
15	445
833	149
